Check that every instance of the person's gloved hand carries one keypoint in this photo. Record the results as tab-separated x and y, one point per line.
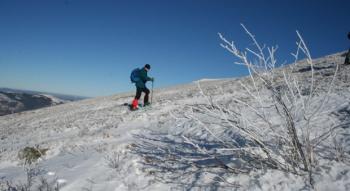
152	79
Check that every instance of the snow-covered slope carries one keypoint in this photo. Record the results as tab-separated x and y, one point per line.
98	144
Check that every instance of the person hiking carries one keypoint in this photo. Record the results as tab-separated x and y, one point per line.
347	57
140	83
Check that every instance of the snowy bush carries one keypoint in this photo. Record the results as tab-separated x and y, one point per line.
31	154
33	182
114	160
284	117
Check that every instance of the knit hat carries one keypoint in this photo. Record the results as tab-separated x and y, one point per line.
148	66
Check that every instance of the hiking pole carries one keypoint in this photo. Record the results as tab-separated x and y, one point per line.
152	93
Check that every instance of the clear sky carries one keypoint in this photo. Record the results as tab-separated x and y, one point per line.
89	47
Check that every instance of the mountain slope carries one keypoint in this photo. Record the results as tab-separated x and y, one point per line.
14	101
17	102
98	144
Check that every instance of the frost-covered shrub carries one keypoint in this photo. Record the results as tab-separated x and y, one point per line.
115	160
34	181
284	114
31	154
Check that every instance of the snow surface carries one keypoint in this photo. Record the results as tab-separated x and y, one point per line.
98	144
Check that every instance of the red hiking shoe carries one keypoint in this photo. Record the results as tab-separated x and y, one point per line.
135	104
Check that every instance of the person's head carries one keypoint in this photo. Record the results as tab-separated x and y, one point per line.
147	67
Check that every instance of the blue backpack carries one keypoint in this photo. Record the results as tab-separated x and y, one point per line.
134	76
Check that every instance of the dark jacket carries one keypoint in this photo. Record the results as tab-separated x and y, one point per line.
143	78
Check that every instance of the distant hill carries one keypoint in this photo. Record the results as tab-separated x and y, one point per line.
14	101
60	96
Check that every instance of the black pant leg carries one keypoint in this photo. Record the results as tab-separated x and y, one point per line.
138	93
146	90
347	58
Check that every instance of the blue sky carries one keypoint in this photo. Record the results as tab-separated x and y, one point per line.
88	48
